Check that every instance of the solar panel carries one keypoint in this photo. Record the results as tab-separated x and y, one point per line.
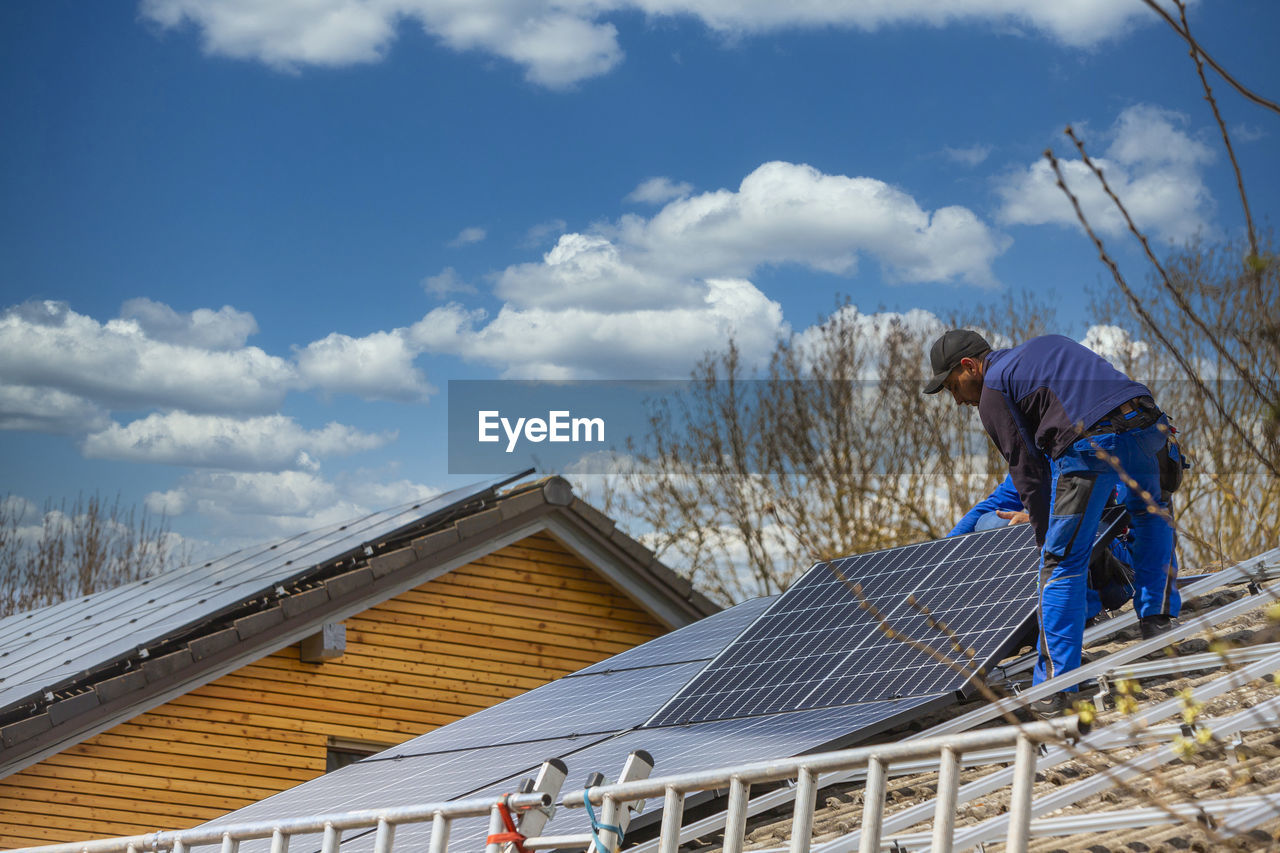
400	782
702	640
591	721
817	645
568	707
501	742
45	647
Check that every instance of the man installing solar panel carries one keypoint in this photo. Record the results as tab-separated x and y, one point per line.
1110	577
1065	420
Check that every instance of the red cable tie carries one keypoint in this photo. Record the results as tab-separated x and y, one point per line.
512	835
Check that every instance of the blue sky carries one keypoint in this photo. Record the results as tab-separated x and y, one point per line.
245	246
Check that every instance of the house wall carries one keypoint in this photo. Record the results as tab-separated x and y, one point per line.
480	634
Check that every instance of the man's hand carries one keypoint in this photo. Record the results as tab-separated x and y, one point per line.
1015	516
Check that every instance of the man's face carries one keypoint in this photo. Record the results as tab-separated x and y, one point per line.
965	382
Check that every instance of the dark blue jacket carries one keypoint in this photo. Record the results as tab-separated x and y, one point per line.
1037	399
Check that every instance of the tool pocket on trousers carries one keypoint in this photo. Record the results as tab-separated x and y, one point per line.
1070	500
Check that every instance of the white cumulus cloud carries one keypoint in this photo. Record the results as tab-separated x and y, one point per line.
1151	162
869	332
561	42
540	343
592	272
118	364
268	443
62	372
283	493
650	296
224	329
284	33
48	410
793	213
377	366
264	505
1115	344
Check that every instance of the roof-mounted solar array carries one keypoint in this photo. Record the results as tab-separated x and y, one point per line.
41	649
805	671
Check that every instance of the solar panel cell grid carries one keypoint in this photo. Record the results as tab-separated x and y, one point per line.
817	646
812	671
700	641
568	707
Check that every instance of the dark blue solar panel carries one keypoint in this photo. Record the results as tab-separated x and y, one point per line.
817	646
801	673
568	707
702	640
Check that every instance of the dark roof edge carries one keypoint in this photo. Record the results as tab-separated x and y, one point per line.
98	700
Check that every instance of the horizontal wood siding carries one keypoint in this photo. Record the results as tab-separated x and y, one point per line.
483	633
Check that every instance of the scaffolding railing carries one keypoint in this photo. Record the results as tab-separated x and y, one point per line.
803	772
1259	716
1131	731
229	836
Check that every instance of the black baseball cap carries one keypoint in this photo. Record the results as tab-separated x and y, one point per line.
947	352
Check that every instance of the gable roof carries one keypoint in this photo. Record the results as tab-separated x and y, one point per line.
73	669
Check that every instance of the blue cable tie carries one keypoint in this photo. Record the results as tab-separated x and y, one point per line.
597	827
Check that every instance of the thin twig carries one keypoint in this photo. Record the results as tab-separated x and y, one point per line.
968	670
1226	138
1257	99
1150	323
1220	484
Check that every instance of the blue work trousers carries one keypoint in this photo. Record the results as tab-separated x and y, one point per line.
1082	483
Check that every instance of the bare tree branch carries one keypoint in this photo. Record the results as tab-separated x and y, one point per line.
1177	295
1257	99
1222	126
70	551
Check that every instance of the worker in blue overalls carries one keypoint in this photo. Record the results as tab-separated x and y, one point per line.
1058	412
